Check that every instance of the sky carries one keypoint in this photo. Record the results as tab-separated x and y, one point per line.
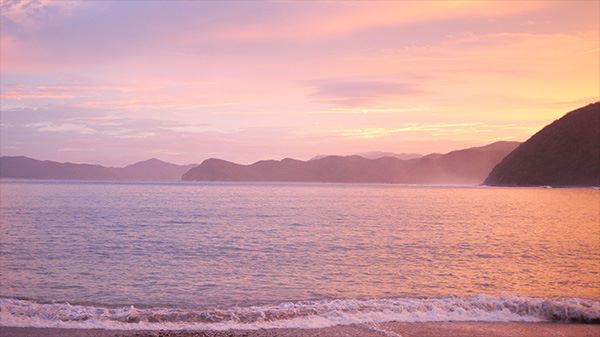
119	82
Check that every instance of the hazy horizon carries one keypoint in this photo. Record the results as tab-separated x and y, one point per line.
316	156
119	82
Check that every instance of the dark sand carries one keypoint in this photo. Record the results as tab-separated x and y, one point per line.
445	329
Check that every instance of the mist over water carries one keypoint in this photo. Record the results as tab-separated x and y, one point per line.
204	252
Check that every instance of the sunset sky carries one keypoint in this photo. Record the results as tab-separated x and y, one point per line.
118	82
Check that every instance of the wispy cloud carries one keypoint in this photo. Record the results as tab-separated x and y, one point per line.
348	93
62	127
436	129
21	92
375	110
248	80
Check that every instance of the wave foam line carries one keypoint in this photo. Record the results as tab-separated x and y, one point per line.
305	314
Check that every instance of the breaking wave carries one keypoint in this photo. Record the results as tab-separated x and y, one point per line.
304	314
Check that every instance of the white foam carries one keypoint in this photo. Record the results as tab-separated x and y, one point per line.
306	314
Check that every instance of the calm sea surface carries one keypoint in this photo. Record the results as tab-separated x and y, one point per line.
97	253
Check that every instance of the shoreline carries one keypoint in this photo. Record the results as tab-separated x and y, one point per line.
390	329
283	182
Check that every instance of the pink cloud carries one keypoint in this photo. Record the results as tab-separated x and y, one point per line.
250	80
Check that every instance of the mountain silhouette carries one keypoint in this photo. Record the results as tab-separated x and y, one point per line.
151	169
564	153
380	154
468	166
27	168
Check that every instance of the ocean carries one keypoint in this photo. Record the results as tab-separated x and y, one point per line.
147	255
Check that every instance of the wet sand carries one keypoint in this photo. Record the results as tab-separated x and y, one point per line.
393	329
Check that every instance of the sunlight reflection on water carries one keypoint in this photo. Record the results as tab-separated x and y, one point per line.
238	244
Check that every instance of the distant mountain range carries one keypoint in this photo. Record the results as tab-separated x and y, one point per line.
28	168
468	166
152	169
380	154
564	153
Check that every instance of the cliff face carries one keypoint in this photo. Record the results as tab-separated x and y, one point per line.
564	153
469	166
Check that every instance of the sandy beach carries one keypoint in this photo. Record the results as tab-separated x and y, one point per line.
393	329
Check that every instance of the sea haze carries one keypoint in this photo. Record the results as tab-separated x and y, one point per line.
248	255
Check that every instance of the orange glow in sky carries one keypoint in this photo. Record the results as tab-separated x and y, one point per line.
117	82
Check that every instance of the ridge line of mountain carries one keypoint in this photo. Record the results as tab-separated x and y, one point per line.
22	167
565	152
465	166
155	169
